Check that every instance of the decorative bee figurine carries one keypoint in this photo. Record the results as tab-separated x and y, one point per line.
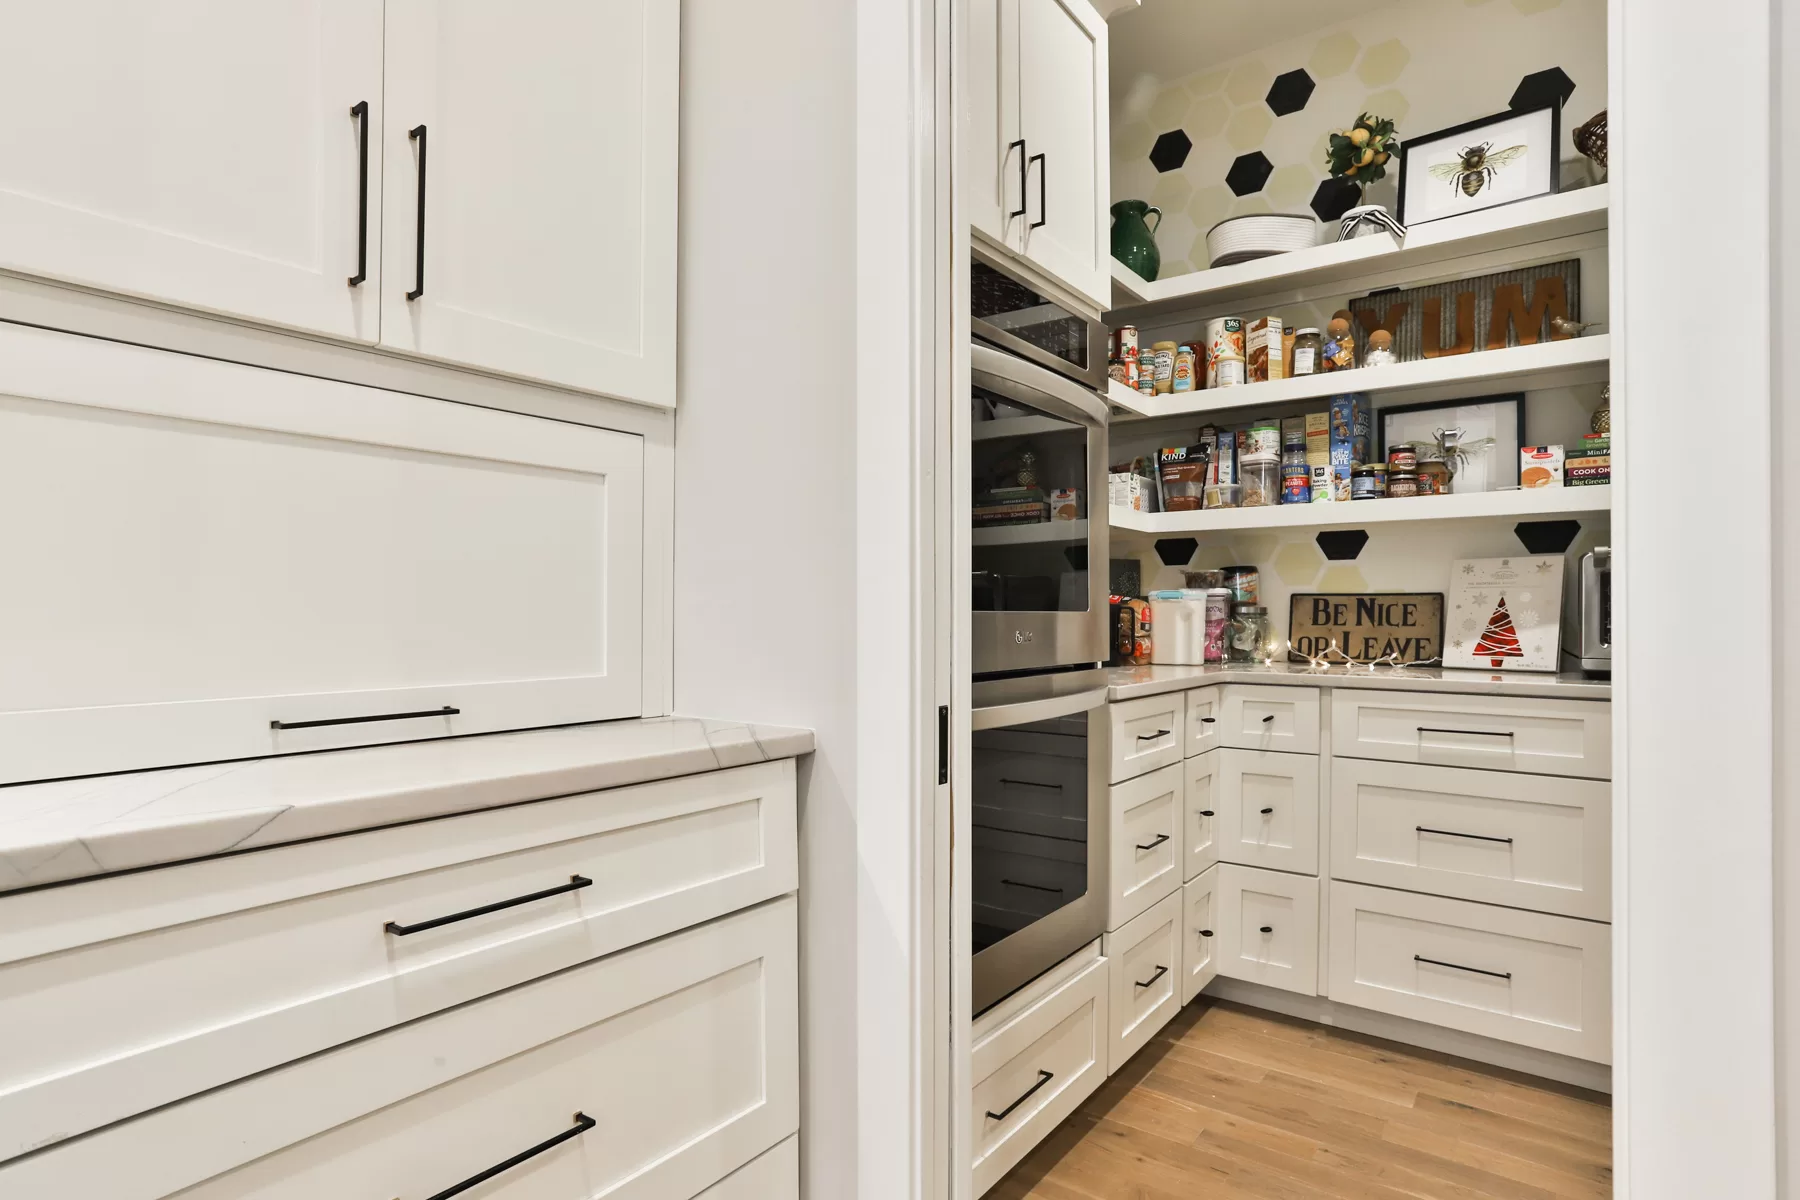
1477	168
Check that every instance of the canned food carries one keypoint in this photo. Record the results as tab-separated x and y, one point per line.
1264	440
1146	378
1225	366
1125	343
1296	484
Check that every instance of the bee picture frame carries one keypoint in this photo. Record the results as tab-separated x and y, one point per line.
1502	159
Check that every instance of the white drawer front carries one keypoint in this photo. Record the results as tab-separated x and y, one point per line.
1495	733
1146	734
1269	810
775	1175
1203	711
1526	841
1269	926
1034	1060
1266	717
1148	820
1521	977
142	989
684	1053
1200	786
1145	959
1200	933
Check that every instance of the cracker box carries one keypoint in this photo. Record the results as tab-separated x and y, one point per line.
1318	439
1265	350
1541	466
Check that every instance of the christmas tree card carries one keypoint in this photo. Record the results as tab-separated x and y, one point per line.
1505	614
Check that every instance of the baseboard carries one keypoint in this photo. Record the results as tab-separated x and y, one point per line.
1596	1077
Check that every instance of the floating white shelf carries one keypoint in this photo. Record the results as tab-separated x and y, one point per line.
1025	535
1524	503
1002	427
1519	368
1315	271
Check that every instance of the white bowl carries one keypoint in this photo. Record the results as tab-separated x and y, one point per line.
1258	235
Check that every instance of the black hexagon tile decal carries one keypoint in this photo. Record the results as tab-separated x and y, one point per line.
1342	545
1176	552
1290	92
1248	173
1335	197
1170	151
1539	88
1546	537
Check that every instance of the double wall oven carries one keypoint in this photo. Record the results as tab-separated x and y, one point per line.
1039	592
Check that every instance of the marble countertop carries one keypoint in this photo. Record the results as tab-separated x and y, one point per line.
1127	683
54	832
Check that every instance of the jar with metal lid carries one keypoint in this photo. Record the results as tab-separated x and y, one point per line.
1403	458
1381	478
1251	639
1362	484
1402	483
1434	477
1307	347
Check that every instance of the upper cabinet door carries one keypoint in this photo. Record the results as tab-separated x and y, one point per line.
535	142
203	153
991	156
1061	54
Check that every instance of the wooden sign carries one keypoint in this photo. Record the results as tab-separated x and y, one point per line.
1398	627
1511	308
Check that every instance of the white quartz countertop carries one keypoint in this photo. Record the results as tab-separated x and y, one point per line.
53	832
1127	683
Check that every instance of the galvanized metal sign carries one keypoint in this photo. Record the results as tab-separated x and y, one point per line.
1511	308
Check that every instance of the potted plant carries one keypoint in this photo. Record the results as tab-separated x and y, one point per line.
1358	156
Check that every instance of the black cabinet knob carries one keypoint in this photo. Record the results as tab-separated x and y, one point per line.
1267	811
1206	933
1206	812
1268	929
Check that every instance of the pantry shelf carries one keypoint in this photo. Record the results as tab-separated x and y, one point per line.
1520	368
1521	503
1025	535
1316	271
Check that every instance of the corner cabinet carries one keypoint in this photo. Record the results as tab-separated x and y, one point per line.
1037	139
487	185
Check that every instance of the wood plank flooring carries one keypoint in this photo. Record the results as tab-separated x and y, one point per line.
1231	1103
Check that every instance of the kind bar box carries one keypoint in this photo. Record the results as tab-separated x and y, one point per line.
1541	466
1265	349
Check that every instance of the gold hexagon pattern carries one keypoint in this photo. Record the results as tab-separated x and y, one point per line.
1290	187
1207	84
1383	63
1529	7
1206	117
1343	577
1333	55
1249	82
1388	102
1172	191
1251	204
1169	108
1297	564
1133	141
1248	127
1209	206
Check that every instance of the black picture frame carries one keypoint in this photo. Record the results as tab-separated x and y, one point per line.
1413	144
1516	399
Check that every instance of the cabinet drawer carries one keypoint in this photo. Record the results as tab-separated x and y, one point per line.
1203	709
1145	958
1496	733
1148	819
774	1175
683	1053
141	989
1035	1056
1521	977
1200	933
1269	928
1200	796
302	553
1269	810
1526	841
1146	734
1262	717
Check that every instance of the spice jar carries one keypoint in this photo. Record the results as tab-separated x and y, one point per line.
1434	477
1402	483
1306	352
1249	640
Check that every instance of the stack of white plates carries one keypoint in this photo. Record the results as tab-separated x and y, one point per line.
1240	239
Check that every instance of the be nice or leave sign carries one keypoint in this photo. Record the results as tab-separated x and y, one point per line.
1401	627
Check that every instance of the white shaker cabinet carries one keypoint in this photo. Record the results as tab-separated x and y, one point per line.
1037	137
202	153
535	142
245	562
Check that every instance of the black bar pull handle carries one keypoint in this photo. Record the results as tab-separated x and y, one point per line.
1459	967
1473	837
1036	887
359	112
1048	787
1043	172
1505	733
1154	842
417	134
583	1123
1151	737
445	711
1043	1078
1020	211
575	884
1154	976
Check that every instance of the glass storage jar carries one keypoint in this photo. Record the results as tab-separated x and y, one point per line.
1250	639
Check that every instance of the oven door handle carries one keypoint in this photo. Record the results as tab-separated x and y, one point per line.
1023	712
1013	377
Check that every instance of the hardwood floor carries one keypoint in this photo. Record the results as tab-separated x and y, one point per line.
1231	1103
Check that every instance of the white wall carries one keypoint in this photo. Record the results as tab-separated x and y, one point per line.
1785	445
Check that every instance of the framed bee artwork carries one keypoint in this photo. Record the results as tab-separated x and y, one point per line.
1497	160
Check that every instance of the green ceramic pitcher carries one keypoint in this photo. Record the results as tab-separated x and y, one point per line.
1133	240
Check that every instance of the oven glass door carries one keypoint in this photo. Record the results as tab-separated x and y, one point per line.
1030	508
1028	323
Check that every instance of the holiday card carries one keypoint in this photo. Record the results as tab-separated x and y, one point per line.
1505	614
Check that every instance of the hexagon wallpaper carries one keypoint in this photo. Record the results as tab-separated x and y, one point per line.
1249	135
